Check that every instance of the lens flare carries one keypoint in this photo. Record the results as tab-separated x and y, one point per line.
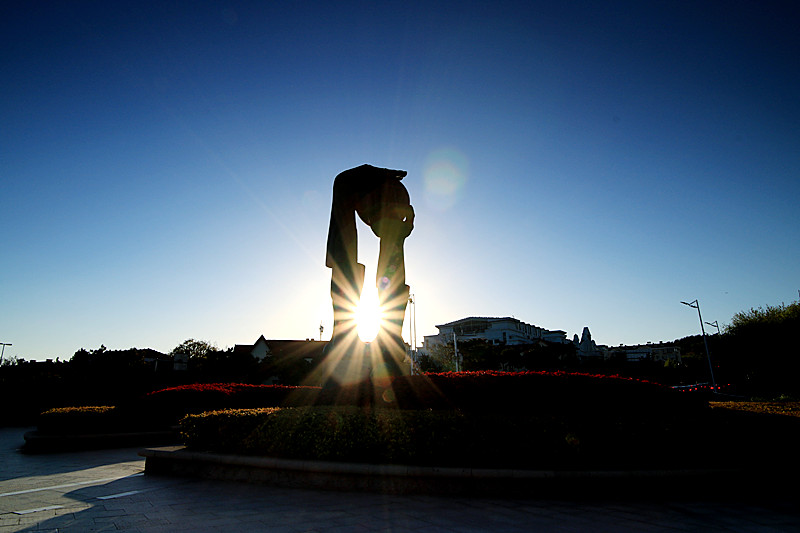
445	173
369	315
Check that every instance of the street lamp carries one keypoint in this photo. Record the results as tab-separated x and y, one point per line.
696	305
3	351
456	356
412	331
715	325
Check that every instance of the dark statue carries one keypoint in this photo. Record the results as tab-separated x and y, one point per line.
379	198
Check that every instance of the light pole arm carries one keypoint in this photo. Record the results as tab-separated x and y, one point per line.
696	305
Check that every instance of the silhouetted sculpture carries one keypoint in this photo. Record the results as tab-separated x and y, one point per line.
382	202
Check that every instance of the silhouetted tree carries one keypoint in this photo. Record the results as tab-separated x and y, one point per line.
765	320
440	358
195	349
761	351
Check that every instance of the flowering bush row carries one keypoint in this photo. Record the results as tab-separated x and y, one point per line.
78	411
77	420
527	392
239	392
542	392
522	393
172	403
486	390
163	409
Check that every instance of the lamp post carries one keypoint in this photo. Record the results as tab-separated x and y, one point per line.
455	349
3	351
412	330
414	322
715	325
695	304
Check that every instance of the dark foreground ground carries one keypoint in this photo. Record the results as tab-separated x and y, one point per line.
105	490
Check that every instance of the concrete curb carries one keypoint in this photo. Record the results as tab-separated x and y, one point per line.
400	479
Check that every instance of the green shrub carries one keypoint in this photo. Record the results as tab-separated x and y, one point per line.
221	430
353	434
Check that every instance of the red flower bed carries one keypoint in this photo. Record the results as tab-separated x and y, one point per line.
526	391
172	403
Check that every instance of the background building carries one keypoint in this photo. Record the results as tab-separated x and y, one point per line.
586	348
505	330
648	352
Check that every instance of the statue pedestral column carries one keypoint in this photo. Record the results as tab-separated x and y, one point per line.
392	289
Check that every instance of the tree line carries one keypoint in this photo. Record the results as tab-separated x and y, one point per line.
757	354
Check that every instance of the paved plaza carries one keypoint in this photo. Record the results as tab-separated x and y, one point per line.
107	490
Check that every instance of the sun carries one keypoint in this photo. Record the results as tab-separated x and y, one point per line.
369	315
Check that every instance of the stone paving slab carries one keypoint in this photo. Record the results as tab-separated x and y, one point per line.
111	495
401	479
36	442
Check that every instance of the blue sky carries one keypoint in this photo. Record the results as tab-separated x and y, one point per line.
167	169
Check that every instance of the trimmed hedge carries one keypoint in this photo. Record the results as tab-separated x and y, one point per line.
353	434
536	420
81	420
717	438
488	419
478	417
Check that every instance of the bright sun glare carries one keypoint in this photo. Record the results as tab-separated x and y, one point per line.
368	315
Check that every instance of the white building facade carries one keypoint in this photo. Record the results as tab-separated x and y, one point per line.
506	330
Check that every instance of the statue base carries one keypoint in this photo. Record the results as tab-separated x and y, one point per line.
356	361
